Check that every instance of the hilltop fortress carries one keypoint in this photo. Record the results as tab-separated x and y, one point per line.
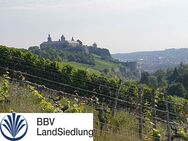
75	46
75	51
61	42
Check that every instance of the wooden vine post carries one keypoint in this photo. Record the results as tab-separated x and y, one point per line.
140	114
167	117
154	110
116	97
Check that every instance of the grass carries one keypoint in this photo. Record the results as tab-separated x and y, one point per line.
99	66
21	100
127	129
96	56
122	127
81	66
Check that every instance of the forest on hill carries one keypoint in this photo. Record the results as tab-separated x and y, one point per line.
174	80
22	60
156	100
81	54
85	57
152	61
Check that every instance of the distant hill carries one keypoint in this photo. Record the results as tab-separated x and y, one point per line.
71	51
94	59
84	57
153	60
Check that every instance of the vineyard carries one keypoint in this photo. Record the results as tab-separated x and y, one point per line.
123	111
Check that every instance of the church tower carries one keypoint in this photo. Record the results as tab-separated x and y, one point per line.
62	38
49	38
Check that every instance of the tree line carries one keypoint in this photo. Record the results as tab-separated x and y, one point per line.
87	84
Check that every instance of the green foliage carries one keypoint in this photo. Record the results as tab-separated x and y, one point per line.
72	105
84	57
153	82
174	76
65	53
177	89
118	120
45	106
103	53
27	62
129	91
173	80
161	76
25	98
70	76
144	77
4	89
183	134
20	99
156	135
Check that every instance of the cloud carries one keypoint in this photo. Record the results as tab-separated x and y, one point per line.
29	4
115	24
98	4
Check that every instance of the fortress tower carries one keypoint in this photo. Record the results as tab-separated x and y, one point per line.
49	38
62	38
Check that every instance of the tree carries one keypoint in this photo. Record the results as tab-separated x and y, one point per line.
144	77
174	76
153	82
177	89
161	78
184	80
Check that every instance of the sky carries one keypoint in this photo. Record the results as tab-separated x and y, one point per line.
120	25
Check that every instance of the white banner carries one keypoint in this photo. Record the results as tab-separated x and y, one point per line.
46	126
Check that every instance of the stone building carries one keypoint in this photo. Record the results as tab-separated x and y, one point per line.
61	42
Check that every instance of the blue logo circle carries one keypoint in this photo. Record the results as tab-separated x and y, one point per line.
14	127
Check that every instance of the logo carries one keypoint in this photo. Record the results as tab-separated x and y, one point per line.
14	127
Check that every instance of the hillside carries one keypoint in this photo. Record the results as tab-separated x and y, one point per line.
135	108
23	97
153	60
92	58
75	51
78	57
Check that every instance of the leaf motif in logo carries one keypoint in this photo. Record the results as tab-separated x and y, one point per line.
14	124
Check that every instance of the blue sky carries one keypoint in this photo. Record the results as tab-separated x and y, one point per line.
119	25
